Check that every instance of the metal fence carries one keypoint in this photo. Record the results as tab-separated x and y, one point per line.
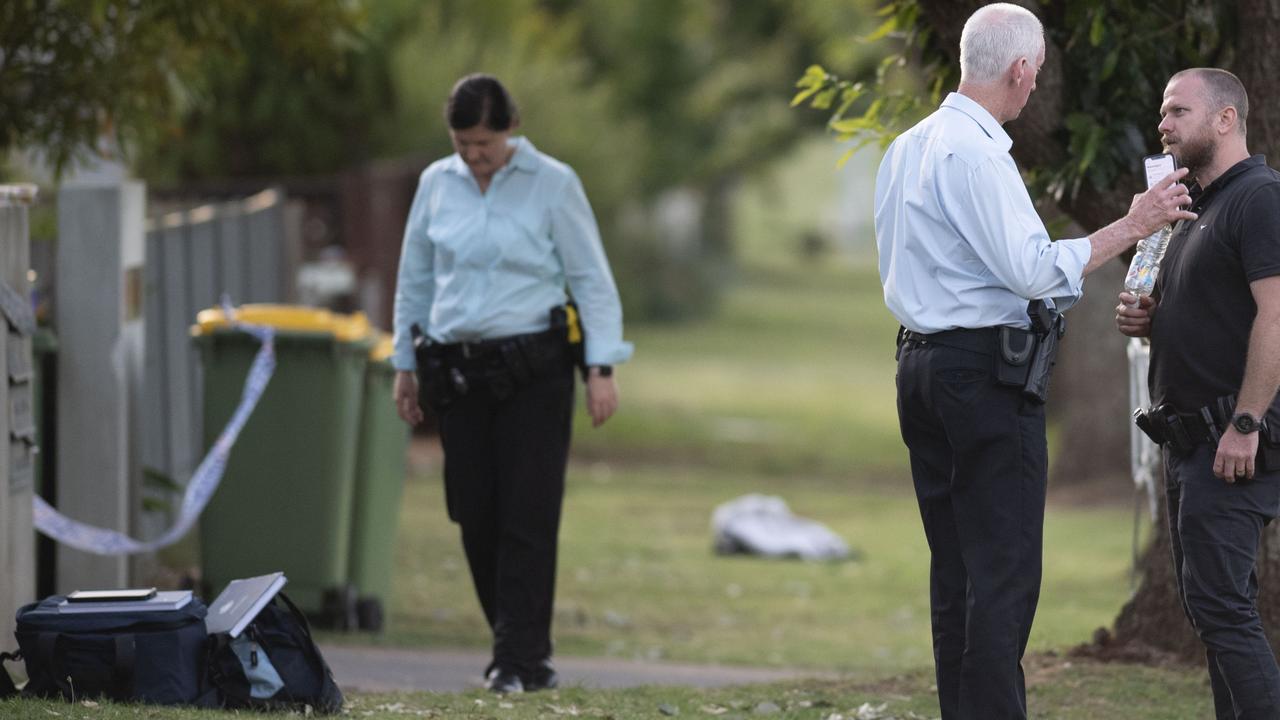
193	258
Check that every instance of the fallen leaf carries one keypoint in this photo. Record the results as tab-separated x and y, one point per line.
714	709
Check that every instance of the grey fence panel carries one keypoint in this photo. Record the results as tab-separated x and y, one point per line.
193	258
179	311
232	259
155	444
264	222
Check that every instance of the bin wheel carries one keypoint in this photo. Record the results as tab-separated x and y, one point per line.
338	608
369	614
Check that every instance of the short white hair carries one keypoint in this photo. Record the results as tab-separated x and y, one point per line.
994	38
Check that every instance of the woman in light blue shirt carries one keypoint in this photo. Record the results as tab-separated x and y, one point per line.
498	237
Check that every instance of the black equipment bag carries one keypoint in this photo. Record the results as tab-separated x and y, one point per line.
153	657
273	664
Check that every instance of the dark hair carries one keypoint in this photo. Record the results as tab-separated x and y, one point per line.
480	100
1222	89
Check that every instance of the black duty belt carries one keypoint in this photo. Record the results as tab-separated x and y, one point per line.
979	340
480	349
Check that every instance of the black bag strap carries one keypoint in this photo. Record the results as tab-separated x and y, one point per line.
126	650
7	688
47	646
330	699
47	656
230	692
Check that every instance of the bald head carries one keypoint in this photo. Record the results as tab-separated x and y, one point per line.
1220	89
995	37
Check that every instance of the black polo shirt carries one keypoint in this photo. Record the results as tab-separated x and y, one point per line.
1200	332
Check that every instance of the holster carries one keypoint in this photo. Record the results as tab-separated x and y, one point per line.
1026	357
438	383
1182	432
1166	428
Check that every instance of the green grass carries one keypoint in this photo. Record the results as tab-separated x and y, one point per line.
638	577
793	375
1057	690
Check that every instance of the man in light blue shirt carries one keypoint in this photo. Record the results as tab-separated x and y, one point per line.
962	252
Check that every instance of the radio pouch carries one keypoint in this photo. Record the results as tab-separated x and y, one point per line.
1016	347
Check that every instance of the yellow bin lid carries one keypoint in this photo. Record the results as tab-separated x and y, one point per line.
382	348
296	318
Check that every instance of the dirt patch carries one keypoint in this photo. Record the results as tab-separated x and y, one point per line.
1105	648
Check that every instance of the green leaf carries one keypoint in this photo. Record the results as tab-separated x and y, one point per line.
1099	28
848	96
823	100
885	28
803	94
1091	145
1109	64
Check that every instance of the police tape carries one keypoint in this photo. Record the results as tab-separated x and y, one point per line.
200	488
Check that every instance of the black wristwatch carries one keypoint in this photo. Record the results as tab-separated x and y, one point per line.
605	370
1244	423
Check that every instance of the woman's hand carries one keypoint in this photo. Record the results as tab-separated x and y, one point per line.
405	394
602	396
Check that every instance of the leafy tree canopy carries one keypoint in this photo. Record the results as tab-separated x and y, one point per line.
72	71
1095	113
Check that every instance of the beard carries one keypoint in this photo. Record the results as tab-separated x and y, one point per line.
1194	154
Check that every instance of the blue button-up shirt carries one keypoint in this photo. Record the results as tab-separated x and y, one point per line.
478	266
960	243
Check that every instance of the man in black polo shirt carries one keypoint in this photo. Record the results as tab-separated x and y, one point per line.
1214	326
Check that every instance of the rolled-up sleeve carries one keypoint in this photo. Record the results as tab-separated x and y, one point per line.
577	240
415	280
1002	227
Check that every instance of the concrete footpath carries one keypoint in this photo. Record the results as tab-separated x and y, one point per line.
381	669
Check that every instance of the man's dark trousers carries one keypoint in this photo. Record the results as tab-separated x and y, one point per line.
1214	528
979	462
504	465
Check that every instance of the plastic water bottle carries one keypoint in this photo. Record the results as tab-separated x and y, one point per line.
1141	278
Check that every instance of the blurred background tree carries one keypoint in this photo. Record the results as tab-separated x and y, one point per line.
661	107
1079	143
75	72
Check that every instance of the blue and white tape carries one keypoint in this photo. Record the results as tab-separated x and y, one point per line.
200	488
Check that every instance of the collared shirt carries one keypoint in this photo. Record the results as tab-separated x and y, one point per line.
960	243
478	266
1206	311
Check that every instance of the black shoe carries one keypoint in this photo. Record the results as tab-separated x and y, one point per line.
544	677
503	681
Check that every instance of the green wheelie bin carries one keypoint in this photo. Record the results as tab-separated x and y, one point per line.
379	487
285	500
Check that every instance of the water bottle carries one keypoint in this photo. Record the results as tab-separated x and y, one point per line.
1141	278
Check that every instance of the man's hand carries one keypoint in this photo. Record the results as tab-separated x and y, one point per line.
1161	205
1236	452
1133	315
405	393
602	397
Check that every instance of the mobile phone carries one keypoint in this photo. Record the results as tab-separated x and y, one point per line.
123	595
1158	167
